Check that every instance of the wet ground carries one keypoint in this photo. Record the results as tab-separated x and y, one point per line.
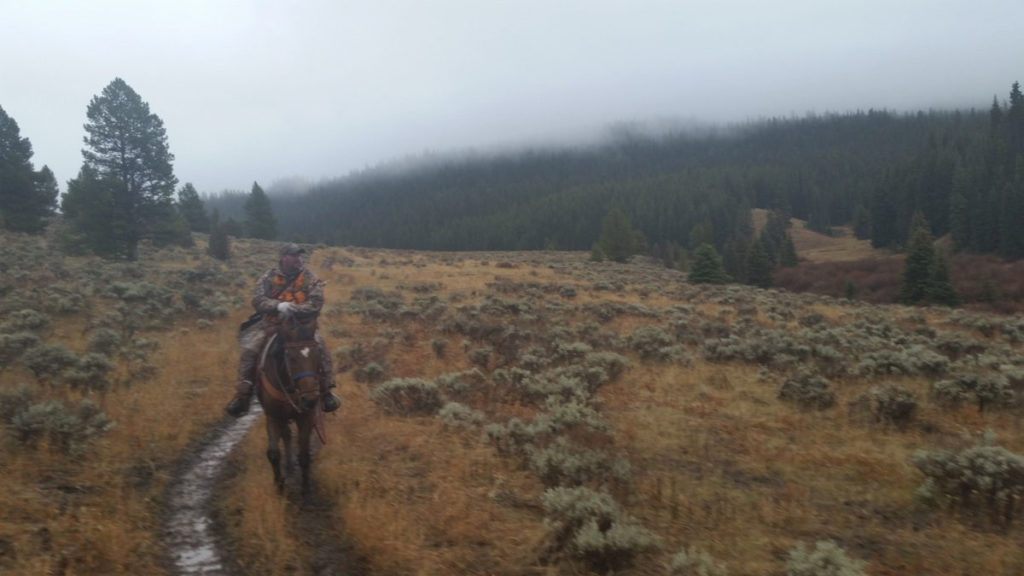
190	538
193	540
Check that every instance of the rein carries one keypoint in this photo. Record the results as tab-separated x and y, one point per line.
281	394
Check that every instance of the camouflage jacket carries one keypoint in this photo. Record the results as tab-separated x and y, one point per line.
304	289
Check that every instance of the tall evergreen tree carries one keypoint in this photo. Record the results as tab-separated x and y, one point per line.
1015	121
192	209
959	209
88	205
917	266
884	215
27	197
707	266
759	266
787	253
734	260
126	149
861	222
168	227
618	241
220	243
1011	217
997	145
259	216
940	288
984	214
773	235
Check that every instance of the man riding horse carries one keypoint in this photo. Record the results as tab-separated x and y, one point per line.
289	290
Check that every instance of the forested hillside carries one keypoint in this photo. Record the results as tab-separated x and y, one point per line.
870	169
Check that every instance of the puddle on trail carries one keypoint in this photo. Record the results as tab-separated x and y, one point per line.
190	540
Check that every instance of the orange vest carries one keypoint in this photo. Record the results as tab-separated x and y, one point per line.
297	292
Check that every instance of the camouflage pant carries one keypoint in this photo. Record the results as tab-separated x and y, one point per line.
252	340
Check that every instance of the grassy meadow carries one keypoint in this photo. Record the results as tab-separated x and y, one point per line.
513	414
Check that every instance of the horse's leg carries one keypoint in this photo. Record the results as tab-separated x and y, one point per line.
286	437
305	429
274	451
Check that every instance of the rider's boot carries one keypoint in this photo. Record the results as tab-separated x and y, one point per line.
328	399
239	405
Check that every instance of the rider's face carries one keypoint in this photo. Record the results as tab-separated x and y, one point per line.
290	263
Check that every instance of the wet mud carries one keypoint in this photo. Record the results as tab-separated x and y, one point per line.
194	538
190	536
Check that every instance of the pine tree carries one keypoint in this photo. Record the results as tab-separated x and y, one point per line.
701	233
734	260
259	216
126	153
959	210
191	207
707	266
88	206
168	227
849	290
27	197
917	266
884	215
220	243
1015	122
618	241
1011	215
861	222
787	254
940	288
759	267
773	235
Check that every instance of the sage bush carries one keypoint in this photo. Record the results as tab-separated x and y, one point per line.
808	390
590	525
407	396
976	480
826	559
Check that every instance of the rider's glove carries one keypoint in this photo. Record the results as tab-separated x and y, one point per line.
286	308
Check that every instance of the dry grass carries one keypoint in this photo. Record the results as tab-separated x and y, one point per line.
841	246
718	462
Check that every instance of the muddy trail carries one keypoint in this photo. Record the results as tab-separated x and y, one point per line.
193	537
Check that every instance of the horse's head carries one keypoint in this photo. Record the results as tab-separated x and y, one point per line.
302	357
303	361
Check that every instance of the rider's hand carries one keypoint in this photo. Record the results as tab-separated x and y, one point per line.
285	308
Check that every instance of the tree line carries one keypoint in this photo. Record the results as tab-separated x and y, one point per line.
676	191
124	192
873	170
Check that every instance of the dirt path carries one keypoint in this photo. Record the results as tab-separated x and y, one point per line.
191	532
189	536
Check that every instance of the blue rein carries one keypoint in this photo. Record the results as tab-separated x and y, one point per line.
302	375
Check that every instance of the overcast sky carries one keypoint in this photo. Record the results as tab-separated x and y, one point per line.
268	90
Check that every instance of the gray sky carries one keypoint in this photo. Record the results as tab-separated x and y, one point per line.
267	90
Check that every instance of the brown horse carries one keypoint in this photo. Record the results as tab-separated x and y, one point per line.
289	391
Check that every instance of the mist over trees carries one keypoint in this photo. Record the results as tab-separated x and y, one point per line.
962	170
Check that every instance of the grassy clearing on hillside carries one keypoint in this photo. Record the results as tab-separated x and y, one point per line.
733	423
841	264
